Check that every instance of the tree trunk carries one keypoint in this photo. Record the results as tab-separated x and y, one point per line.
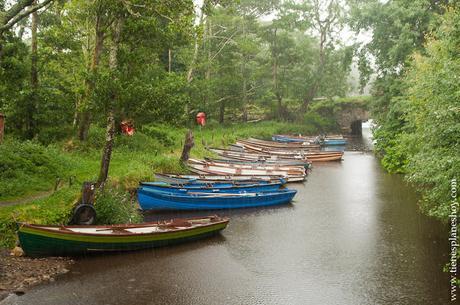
222	112
196	43
245	101
188	144
32	102
110	131
311	93
243	74
2	126
85	114
279	98
207	97
309	97
169	60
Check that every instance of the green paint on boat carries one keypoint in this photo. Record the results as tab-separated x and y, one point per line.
37	242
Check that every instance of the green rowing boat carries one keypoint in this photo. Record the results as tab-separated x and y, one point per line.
42	240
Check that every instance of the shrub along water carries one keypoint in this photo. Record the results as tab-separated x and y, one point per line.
114	205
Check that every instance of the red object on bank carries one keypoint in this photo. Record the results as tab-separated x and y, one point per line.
127	128
201	118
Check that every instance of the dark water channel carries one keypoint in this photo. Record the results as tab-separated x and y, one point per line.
353	236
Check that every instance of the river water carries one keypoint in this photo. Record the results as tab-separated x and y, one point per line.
353	235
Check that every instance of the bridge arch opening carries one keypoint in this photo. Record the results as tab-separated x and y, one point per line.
356	127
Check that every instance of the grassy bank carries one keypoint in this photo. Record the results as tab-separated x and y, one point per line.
30	167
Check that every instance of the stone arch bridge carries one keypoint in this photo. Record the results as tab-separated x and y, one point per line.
350	118
348	113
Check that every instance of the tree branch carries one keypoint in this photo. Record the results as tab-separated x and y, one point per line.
14	14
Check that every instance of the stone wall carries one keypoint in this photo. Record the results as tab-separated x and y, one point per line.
347	116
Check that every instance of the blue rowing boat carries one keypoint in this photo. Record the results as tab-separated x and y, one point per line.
286	139
150	199
330	142
212	187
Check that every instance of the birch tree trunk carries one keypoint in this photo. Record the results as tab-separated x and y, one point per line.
110	131
243	74
85	114
33	98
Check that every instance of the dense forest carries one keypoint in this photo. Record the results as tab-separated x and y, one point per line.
415	52
64	68
72	71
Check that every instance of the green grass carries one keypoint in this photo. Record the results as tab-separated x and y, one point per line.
155	148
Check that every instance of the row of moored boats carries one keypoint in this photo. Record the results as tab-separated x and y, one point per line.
251	173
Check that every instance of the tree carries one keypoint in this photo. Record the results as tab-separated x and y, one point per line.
102	17
326	20
432	113
116	28
399	28
18	11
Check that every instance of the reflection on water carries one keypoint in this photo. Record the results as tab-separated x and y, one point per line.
352	236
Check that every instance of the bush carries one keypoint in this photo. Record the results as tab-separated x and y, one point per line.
29	166
113	206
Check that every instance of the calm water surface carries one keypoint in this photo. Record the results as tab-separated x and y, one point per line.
352	236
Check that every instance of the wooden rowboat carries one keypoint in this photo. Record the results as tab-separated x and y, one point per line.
330	142
231	169
40	240
266	156
327	140
305	164
209	178
154	200
288	139
278	145
236	175
269	168
220	187
311	156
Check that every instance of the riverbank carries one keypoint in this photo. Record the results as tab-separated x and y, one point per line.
17	274
351	228
65	165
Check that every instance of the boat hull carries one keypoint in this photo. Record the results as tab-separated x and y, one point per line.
286	178
206	178
334	142
285	139
39	243
212	187
151	200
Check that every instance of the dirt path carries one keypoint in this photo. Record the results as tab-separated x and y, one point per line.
26	199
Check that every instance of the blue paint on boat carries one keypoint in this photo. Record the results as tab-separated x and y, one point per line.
212	187
330	142
150	199
285	139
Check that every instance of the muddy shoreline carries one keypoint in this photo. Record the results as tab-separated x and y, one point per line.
19	273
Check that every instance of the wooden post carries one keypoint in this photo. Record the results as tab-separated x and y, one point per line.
2	126
189	142
87	193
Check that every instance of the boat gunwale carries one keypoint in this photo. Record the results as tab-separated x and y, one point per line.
224	220
217	173
234	186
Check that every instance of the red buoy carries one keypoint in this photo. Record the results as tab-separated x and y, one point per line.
201	118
